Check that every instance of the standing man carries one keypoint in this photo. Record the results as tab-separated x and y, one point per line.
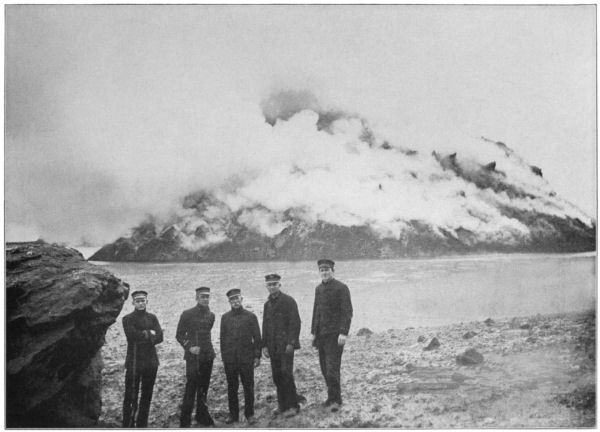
281	331
142	332
193	333
332	314
240	351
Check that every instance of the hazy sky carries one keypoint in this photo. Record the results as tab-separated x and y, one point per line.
115	112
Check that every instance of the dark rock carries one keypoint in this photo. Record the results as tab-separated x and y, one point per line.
469	357
491	166
58	309
421	338
531	339
410	367
525	326
458	377
364	332
489	322
470	334
536	170
434	344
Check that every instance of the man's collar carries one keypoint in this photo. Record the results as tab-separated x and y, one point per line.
274	296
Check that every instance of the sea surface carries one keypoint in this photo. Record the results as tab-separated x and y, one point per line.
385	293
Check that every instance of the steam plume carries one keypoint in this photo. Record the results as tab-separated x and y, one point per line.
327	165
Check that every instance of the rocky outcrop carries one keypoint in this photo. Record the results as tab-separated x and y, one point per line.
58	308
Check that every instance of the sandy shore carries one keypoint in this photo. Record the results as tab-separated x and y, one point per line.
537	372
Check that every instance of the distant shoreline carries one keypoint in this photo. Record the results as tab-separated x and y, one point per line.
468	257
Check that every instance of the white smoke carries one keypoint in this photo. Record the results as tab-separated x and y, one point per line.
116	113
338	175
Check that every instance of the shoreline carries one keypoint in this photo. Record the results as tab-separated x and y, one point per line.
453	257
541	366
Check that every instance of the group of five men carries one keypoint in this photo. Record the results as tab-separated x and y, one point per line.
241	349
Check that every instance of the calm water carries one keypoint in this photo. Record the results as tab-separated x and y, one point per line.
385	294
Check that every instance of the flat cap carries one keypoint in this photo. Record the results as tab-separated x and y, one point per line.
273	277
234	292
325	263
203	290
139	293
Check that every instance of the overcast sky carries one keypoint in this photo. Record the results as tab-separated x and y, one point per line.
115	112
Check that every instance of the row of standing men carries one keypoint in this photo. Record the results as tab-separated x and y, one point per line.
241	349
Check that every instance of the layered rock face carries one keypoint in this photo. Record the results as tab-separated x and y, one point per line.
303	241
58	310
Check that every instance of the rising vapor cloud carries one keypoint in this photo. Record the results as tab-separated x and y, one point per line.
327	165
117	113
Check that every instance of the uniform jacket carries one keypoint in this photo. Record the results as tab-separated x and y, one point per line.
194	329
240	336
137	326
332	310
281	323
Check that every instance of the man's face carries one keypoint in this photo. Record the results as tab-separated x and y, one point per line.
235	301
140	302
326	273
273	287
203	299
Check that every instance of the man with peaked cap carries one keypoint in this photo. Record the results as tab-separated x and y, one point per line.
143	332
281	331
193	333
240	351
332	314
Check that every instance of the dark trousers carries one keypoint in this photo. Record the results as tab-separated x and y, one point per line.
282	366
330	359
196	388
233	372
146	376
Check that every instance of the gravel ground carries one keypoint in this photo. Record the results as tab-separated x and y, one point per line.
537	372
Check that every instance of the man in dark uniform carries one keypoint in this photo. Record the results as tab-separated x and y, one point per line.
193	333
143	332
281	331
332	314
240	351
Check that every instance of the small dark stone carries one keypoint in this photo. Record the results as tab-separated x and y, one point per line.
458	377
525	326
435	343
469	334
410	367
469	357
488	322
531	339
364	332
421	339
